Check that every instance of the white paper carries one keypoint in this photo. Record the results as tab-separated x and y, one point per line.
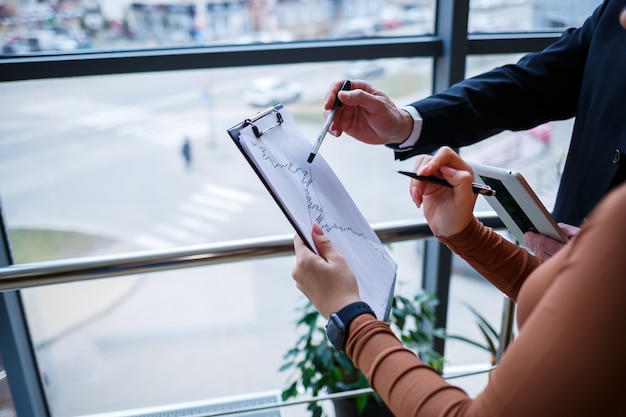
312	193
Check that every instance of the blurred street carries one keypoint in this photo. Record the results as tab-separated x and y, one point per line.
103	156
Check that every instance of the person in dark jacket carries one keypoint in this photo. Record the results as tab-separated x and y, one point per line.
581	75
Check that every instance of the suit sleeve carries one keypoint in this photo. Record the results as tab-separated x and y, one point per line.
542	86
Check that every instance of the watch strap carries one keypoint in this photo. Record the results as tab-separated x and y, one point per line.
351	311
337	327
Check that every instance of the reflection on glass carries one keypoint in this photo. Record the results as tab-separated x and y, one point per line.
526	15
104	168
71	26
7	408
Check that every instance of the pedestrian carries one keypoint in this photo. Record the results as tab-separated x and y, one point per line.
186	152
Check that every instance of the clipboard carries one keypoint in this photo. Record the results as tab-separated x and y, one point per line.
234	134
308	193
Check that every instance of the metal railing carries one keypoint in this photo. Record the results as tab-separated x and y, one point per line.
20	276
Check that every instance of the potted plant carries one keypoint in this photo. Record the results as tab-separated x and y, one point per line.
316	367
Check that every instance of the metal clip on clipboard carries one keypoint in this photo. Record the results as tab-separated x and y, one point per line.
257	132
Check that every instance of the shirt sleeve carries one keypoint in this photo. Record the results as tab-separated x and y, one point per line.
503	263
410	142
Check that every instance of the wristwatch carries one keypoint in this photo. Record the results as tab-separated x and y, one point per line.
337	326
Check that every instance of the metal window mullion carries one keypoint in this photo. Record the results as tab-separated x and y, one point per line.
16	348
448	68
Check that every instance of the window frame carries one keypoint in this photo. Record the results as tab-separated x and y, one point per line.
449	47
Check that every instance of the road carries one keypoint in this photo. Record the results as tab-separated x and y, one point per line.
105	157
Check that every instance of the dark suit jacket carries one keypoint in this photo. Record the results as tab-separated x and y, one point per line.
583	74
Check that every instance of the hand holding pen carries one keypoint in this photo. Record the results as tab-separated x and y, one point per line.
329	120
448	205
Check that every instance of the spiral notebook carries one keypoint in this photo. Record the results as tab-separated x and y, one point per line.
310	193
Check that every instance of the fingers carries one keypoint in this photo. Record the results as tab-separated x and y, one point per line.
570	231
334	90
444	163
300	248
545	247
445	156
542	246
322	242
326	280
359	97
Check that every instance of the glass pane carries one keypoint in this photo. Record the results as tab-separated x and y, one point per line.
170	338
527	15
470	295
95	165
101	169
73	26
7	408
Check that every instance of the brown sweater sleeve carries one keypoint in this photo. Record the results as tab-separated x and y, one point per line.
504	264
568	359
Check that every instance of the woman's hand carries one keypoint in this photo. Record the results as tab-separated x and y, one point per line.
325	279
367	114
448	210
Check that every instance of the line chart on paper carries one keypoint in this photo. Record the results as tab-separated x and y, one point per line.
311	193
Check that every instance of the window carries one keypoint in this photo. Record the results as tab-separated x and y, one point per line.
104	173
94	164
490	16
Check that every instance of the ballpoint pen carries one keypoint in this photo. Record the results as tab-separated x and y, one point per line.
329	120
476	187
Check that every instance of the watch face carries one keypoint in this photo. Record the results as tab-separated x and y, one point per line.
332	332
335	332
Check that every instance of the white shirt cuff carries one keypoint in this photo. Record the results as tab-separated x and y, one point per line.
417	128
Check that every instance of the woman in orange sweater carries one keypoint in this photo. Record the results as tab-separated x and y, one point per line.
569	358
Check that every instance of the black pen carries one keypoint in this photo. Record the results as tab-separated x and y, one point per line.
329	120
476	187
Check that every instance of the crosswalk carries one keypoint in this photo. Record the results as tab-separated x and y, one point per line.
144	123
199	217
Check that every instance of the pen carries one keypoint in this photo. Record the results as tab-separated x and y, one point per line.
329	120
476	187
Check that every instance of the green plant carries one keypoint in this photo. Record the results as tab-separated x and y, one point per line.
317	367
491	337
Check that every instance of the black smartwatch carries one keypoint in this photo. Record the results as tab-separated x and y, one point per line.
337	327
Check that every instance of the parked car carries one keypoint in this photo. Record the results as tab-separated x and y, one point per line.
265	92
364	70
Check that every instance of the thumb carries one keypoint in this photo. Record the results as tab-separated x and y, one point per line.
322	242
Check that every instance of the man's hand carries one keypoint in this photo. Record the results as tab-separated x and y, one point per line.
367	114
545	247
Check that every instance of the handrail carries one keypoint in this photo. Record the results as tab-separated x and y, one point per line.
34	274
461	371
